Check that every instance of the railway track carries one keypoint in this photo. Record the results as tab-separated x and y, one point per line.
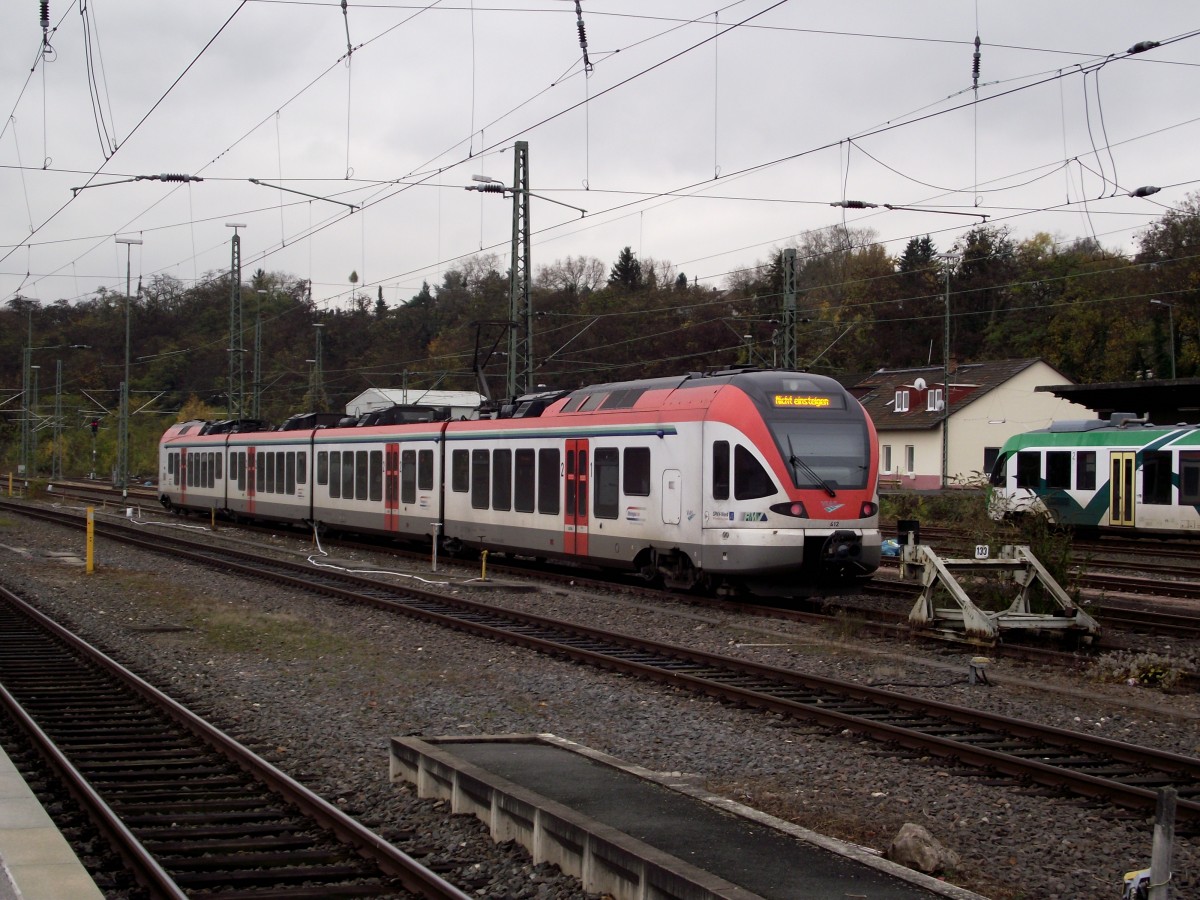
1118	773
191	812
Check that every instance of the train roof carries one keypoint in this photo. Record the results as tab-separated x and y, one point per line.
1120	429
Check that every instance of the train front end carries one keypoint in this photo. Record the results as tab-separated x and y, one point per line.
793	499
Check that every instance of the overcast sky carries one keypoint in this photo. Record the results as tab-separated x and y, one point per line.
704	135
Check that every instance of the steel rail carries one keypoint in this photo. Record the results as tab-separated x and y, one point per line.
390	859
670	664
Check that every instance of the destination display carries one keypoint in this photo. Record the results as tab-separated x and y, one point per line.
807	401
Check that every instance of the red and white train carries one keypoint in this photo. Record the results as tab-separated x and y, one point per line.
764	480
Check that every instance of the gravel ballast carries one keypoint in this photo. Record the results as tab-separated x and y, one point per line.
318	687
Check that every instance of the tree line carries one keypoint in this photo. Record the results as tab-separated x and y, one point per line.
1087	310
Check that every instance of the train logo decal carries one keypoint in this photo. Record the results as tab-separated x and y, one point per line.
754	517
833	507
635	514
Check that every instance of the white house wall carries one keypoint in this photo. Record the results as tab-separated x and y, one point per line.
1011	408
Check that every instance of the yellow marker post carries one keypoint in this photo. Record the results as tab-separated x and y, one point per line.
91	536
483	570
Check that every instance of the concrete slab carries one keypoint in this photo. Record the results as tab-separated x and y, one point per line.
639	834
36	862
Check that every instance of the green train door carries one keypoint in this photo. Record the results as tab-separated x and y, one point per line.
1121	488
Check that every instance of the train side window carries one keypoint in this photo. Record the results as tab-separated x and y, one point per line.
408	475
241	470
347	475
750	479
637	472
460	471
1189	477
1029	468
1058	469
999	471
523	481
289	474
280	472
549	481
260	473
720	472
1085	470
361	475
606	498
335	474
217	460
270	467
502	479
376	475
323	467
301	467
170	463
1156	477
425	470
479	479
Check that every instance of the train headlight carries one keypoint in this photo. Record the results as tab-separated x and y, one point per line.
795	509
868	509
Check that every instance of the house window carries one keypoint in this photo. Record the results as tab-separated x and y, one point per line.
910	458
901	401
933	400
885	458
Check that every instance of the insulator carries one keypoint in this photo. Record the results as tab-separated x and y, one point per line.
490	188
45	14
975	63
582	34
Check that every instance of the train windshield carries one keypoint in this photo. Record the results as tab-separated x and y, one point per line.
999	473
827	456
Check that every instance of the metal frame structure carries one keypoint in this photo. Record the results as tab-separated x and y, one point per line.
1015	563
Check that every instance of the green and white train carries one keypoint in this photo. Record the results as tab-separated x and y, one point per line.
1121	475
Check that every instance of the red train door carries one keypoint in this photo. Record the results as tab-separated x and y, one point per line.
251	478
391	487
575	472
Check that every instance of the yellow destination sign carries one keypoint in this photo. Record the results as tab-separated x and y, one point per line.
801	400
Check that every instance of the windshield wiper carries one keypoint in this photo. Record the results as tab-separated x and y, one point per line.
798	463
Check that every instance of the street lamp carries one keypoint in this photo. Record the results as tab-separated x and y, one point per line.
1171	329
123	428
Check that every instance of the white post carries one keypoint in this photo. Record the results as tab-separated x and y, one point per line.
1164	838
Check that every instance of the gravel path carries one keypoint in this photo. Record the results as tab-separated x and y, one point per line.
318	687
